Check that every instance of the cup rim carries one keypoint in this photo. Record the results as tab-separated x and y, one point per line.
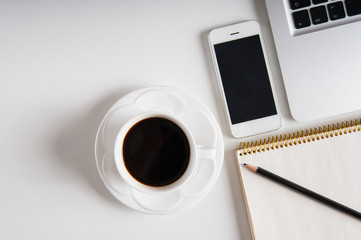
129	179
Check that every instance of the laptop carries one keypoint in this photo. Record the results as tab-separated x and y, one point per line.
318	43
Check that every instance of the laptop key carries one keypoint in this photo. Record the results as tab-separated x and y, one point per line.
297	4
336	11
318	1
353	7
301	19
319	15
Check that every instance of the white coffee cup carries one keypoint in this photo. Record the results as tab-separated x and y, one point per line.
121	134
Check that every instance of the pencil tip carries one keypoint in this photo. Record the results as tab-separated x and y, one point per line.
250	167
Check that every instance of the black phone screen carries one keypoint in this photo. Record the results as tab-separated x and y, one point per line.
245	79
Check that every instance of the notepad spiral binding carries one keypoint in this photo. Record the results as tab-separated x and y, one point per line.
299	137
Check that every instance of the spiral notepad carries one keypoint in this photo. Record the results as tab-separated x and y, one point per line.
326	160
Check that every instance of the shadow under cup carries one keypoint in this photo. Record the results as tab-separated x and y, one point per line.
156	152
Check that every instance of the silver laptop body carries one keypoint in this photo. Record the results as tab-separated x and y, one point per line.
321	59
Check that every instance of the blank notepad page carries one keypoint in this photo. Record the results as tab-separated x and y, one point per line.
329	166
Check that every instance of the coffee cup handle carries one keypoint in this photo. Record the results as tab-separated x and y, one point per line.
204	152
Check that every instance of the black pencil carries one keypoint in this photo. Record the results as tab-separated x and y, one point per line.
303	190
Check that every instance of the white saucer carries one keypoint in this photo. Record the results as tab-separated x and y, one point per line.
205	131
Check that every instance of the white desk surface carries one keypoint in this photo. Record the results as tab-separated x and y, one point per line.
62	65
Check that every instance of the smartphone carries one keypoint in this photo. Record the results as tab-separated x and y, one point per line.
244	79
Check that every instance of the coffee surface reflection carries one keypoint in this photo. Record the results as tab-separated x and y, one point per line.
156	152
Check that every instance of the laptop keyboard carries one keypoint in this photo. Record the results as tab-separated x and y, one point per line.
319	14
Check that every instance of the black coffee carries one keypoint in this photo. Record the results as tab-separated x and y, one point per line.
156	152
